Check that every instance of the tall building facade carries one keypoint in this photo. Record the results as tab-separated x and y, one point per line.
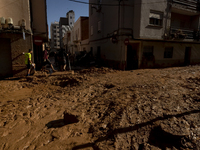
77	39
71	18
66	24
145	33
55	35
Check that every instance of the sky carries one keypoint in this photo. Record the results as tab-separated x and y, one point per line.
59	8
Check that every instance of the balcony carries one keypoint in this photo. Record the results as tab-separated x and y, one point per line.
181	34
190	5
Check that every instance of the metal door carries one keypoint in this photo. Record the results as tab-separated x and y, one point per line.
5	58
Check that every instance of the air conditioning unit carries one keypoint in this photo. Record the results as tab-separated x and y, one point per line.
2	21
17	27
22	23
9	23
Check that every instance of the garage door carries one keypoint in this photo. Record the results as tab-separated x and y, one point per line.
5	58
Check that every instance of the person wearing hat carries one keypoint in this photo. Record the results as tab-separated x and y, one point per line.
28	61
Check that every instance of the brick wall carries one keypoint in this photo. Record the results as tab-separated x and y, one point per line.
18	45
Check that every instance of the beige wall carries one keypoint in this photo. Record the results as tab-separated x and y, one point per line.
148	31
39	17
17	10
77	29
80	34
178	53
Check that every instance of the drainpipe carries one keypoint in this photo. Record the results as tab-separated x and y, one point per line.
119	34
119	14
31	26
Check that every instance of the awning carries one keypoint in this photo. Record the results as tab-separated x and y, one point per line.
156	16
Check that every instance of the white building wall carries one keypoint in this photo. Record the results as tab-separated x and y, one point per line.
71	18
135	16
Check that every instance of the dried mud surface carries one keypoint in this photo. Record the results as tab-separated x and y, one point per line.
105	109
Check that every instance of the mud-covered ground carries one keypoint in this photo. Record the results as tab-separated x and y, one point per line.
150	109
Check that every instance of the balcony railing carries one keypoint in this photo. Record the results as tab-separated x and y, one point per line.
187	4
176	33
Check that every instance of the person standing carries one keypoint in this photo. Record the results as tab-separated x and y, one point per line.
28	61
63	56
46	60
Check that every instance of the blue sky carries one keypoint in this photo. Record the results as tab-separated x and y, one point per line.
59	8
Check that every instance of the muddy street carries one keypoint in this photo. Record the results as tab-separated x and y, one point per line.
104	109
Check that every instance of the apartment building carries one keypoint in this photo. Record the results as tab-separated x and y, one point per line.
66	24
131	34
55	35
71	18
23	26
77	39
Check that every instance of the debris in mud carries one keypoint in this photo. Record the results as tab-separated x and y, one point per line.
101	70
68	81
69	118
162	139
109	86
56	123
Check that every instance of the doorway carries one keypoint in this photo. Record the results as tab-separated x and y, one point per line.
5	58
187	56
132	56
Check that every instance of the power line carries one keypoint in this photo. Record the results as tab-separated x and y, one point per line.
117	4
93	3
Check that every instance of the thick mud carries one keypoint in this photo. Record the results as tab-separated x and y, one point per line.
102	109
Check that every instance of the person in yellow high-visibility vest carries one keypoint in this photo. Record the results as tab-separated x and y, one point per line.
28	61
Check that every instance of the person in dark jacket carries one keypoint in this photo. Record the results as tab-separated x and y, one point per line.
46	60
63	59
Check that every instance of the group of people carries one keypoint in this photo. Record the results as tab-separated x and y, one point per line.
61	60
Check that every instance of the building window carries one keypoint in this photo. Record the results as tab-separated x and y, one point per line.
148	51
91	30
99	26
70	17
155	18
168	52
